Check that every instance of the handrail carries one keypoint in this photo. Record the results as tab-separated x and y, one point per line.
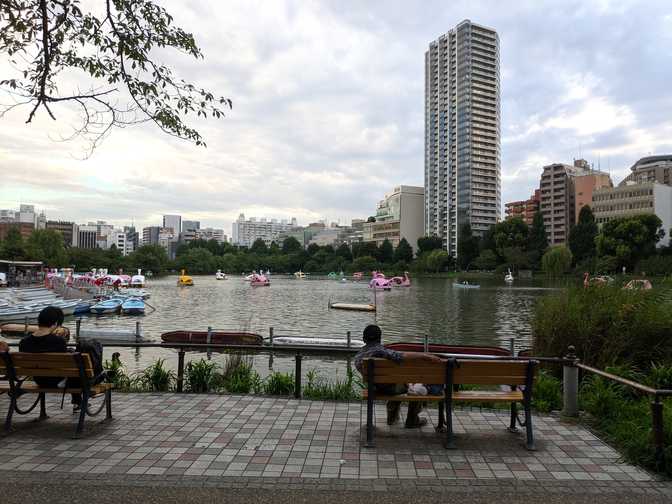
644	388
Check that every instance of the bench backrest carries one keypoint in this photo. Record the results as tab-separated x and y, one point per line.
412	371
47	364
491	372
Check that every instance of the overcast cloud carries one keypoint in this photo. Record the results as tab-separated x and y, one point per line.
329	109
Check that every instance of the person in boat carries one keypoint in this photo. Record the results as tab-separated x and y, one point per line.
374	347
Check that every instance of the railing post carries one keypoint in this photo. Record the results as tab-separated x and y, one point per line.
137	329
349	338
209	340
658	435
25	327
270	335
570	385
180	370
512	346
78	326
297	377
426	344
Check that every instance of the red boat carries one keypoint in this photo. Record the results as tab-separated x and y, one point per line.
217	337
449	349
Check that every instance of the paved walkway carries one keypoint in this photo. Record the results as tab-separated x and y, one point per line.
284	444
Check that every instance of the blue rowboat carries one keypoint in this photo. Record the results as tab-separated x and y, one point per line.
109	306
82	308
133	306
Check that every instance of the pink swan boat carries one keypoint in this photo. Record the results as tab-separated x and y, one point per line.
399	281
357	275
259	281
379	282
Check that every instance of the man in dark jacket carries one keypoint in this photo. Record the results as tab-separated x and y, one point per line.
44	340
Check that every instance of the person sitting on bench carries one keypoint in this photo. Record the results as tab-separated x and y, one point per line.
374	348
49	337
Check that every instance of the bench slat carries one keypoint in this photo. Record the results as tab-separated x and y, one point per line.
386	371
49	364
490	372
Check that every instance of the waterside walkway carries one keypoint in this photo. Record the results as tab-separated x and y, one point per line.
272	445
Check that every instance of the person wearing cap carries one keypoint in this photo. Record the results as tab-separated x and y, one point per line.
47	338
374	348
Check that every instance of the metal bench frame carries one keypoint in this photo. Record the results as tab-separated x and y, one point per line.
85	390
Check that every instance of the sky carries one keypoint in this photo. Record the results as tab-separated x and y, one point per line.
328	109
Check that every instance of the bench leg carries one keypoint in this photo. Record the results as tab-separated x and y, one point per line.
369	423
108	404
442	418
450	436
43	407
82	415
528	426
10	413
514	418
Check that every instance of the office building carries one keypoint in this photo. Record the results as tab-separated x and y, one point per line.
399	215
132	239
87	236
524	209
558	204
632	199
24	228
150	235
189	225
67	229
462	133
585	184
651	169
246	231
174	222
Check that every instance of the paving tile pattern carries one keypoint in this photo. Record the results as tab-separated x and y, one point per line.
243	438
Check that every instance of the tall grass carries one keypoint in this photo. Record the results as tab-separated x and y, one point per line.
157	378
607	325
202	376
319	388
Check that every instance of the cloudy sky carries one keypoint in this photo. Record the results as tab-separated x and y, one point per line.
328	109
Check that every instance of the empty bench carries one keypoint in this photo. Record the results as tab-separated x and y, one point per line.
20	367
516	376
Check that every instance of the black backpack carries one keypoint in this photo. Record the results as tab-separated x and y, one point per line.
95	351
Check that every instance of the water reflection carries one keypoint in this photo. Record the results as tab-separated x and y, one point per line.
489	315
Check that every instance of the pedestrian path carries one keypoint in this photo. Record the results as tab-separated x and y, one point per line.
220	438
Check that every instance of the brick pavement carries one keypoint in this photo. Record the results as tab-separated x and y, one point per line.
222	438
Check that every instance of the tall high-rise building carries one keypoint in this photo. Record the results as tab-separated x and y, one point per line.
174	222
189	225
462	133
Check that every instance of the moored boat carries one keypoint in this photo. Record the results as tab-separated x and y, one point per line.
218	337
353	306
449	349
108	306
260	281
133	306
466	285
184	280
328	342
138	280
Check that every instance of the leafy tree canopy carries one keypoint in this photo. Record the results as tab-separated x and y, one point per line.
467	247
386	252
111	44
429	243
403	252
582	235
291	244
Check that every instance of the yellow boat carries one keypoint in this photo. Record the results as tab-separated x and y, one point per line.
184	280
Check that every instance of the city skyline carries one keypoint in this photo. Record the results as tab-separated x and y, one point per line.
341	98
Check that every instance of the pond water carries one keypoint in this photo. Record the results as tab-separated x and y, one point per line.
490	315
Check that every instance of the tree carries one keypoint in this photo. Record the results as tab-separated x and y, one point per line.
371	219
198	260
291	244
47	245
403	252
429	243
364	264
438	260
149	258
113	47
487	260
556	261
386	252
313	249
467	247
13	247
510	233
344	252
537	242
582	236
629	239
259	247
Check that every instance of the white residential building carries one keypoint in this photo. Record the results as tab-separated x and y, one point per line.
246	232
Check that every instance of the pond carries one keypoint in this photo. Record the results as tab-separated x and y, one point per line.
489	315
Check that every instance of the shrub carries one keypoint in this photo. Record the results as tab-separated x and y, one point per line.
606	324
278	383
156	378
319	388
238	376
547	393
556	261
201	376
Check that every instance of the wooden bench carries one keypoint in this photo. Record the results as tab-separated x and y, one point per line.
451	373
18	367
